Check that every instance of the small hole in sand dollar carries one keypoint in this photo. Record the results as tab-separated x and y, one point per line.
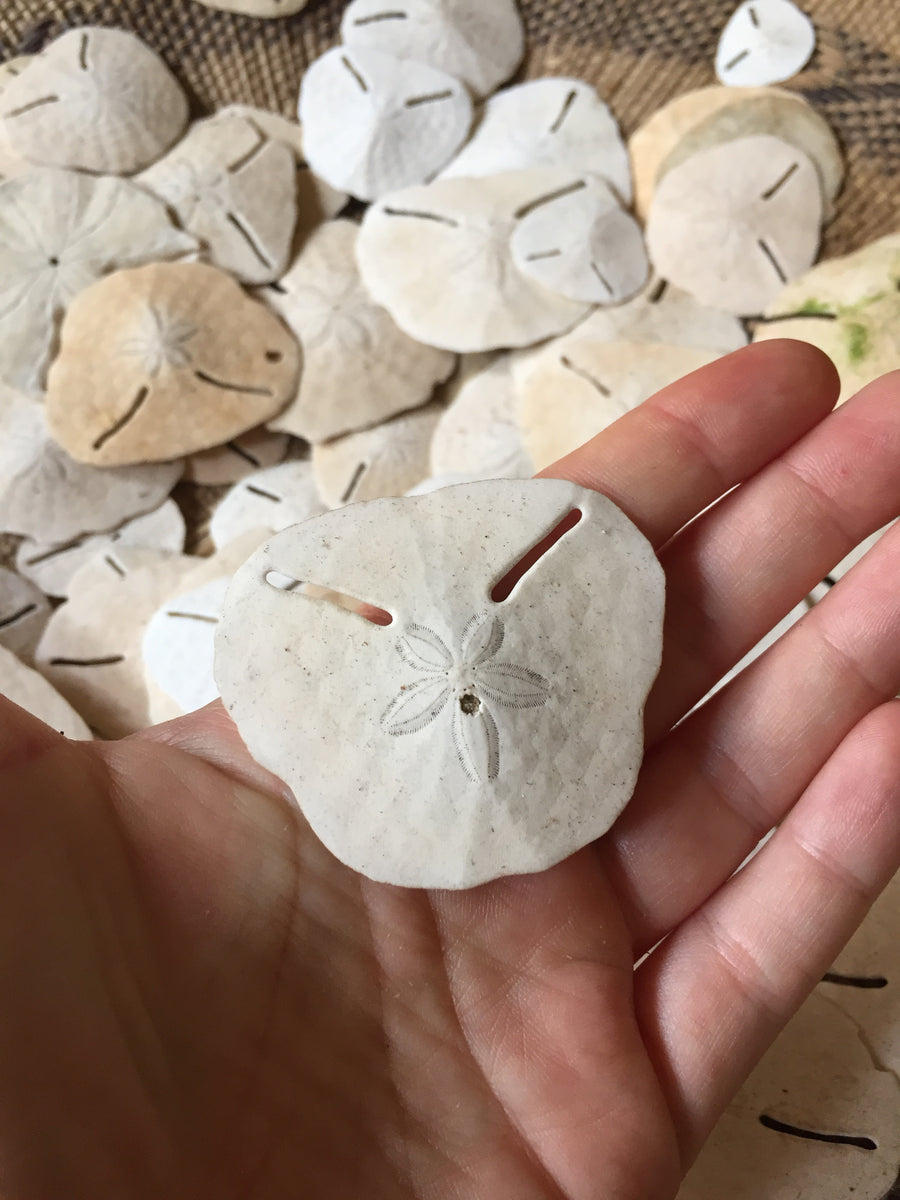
274	356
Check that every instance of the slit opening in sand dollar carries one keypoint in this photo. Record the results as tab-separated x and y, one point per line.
372	613
419	215
738	58
225	386
863	982
115	565
136	406
812	1135
249	155
596	384
510	580
564	112
432	98
14	618
187	616
780	182
354	483
258	491
82	53
770	255
235	221
27	108
112	660
533	205
356	75
375	18
239	450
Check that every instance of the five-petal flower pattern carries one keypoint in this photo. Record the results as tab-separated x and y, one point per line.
463	687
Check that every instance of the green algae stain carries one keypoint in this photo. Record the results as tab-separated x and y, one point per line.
857	342
814	306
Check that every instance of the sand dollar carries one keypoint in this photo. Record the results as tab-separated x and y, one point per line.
476	738
32	692
765	41
24	611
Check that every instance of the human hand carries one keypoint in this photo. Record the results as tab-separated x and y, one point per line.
199	1001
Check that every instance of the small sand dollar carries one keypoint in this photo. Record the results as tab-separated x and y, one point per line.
573	393
268	500
584	246
481	42
374	123
235	190
96	100
359	367
242	456
559	123
765	41
476	738
24	611
164	361
32	692
734	223
179	642
439	258
479	433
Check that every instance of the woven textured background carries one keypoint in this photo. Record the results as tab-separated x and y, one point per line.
638	53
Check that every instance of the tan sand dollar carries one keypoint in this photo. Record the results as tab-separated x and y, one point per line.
228	464
651	143
735	222
96	100
388	460
165	361
373	123
439	258
46	495
32	692
481	42
53	567
59	232
359	368
24	611
584	246
572	394
559	123
478	737
816	1118
765	41
777	114
234	190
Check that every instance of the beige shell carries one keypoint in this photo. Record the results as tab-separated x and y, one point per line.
12	163
60	231
652	143
765	41
779	114
46	495
560	123
439	258
818	1078
373	123
97	100
258	8
32	692
235	190
165	361
574	393
270	500
359	368
481	42
475	738
388	460
228	464
479	432
24	611
53	568
735	222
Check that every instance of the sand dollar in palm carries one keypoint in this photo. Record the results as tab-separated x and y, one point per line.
97	100
470	738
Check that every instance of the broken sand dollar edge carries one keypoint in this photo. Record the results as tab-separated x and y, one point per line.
443	715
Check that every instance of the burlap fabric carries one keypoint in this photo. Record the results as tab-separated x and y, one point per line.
638	53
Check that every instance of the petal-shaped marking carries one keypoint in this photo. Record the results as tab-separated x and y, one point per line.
481	640
477	743
416	707
421	647
512	686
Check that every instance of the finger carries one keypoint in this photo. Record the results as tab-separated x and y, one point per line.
728	774
677	453
714	996
732	575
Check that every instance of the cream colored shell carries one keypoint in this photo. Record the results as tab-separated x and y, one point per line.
24	611
32	692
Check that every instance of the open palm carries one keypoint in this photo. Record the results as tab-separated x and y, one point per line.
199	1001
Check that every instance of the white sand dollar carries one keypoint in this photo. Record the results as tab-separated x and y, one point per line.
765	41
258	8
735	222
59	233
91	649
53	567
235	190
97	100
267	500
477	739
179	643
32	692
359	367
388	460
373	123
572	394
481	42
816	1118
479	432
12	68
46	495
242	456
24	611
439	258
547	123
584	246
